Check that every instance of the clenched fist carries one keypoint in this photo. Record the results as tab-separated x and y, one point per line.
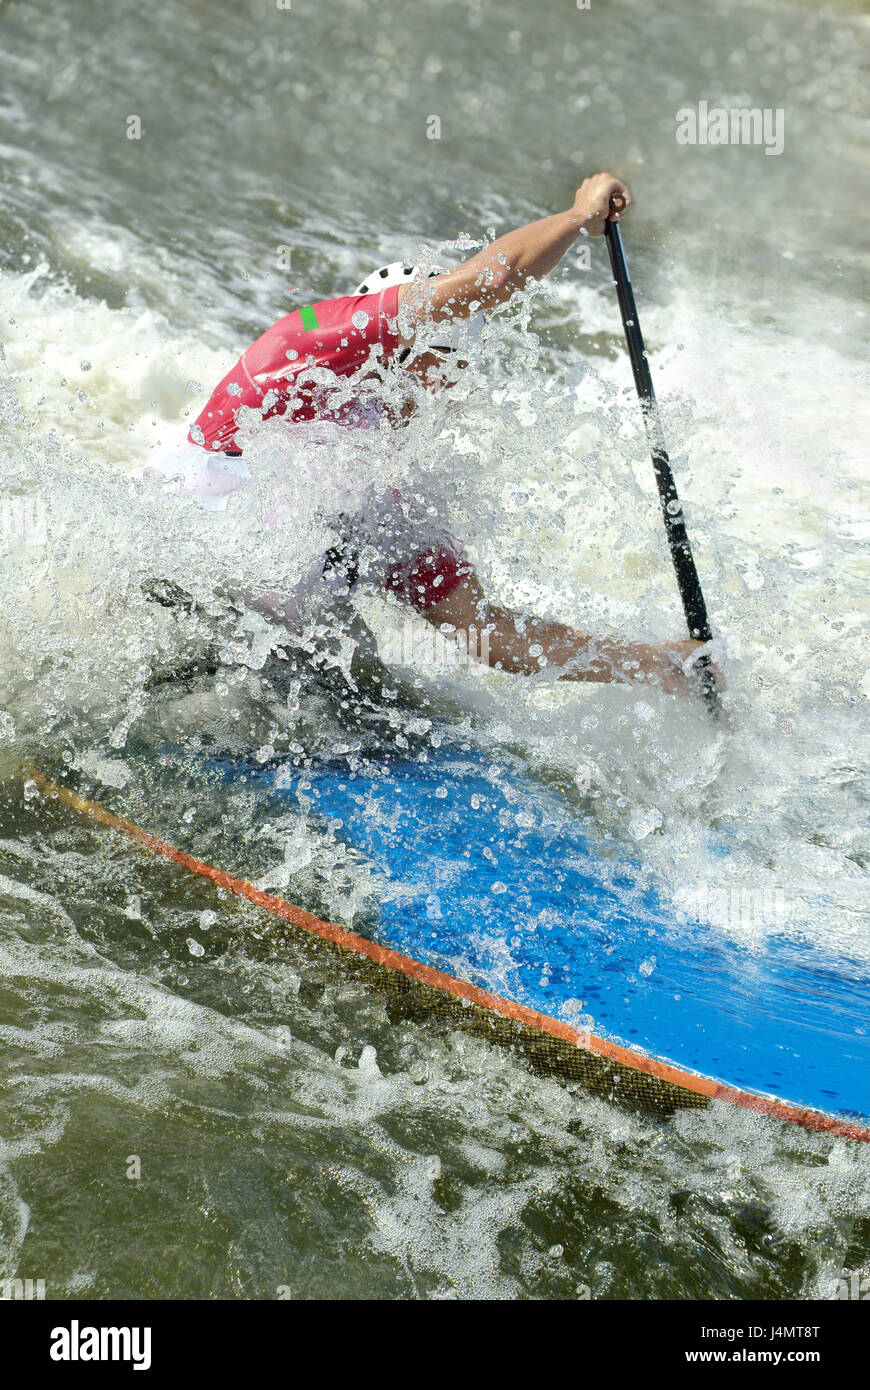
598	198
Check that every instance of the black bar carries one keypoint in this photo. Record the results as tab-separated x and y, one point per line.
688	582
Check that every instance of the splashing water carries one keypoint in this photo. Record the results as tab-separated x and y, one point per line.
140	1014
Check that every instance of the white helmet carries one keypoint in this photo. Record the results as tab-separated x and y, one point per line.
388	275
453	336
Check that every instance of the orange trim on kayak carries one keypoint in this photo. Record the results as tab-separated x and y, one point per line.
438	979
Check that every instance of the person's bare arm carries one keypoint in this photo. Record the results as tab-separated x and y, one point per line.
524	644
503	267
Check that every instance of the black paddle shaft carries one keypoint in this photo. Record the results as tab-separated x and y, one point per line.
688	583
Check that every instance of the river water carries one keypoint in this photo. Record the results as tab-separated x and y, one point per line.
289	1136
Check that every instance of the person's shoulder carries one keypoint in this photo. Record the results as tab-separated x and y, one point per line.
386	300
368	314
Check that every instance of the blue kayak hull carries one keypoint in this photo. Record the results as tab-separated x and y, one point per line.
495	880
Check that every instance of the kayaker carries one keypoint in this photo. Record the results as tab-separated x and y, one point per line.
400	319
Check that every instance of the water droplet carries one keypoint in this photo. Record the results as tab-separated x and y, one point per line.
368	1062
360	319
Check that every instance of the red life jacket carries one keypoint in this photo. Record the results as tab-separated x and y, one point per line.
339	334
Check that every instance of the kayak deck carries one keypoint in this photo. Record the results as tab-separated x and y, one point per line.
494	880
